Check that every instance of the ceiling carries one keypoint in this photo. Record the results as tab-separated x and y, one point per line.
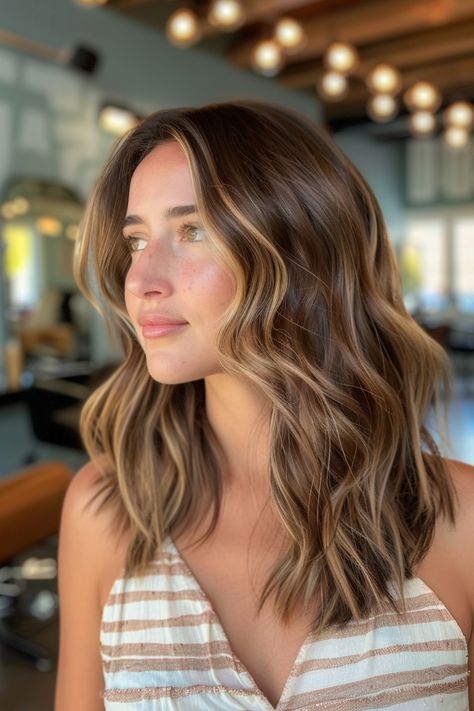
425	39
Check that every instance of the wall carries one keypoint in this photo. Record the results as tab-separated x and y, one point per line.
381	162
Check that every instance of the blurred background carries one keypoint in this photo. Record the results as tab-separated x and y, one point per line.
392	81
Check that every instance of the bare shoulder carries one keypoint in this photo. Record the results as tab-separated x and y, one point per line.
460	536
86	495
461	544
83	552
459	539
462	475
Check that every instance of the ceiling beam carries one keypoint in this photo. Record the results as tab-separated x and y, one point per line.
441	44
255	11
370	22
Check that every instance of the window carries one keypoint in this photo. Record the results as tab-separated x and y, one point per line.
437	262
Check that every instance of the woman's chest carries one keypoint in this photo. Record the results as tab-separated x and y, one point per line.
232	573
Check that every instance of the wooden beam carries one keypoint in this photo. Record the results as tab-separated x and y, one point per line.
255	11
441	44
370	22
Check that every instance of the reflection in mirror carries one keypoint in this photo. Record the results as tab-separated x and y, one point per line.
45	315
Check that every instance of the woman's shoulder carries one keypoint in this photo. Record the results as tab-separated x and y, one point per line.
85	500
456	540
460	535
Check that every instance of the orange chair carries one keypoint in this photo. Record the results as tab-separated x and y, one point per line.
30	512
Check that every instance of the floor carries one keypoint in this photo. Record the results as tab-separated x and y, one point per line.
26	688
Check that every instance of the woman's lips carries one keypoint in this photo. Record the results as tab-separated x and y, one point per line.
158	330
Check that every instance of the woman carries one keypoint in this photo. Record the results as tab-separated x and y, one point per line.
273	526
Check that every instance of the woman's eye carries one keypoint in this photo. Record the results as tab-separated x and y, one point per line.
192	233
132	243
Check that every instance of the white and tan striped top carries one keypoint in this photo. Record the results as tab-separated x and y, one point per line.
163	647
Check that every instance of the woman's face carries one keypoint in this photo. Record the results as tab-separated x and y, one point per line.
175	288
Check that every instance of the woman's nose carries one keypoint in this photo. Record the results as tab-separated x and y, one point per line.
149	273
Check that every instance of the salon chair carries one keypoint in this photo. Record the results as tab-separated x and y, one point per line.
30	511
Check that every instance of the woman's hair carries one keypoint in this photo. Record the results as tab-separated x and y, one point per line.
318	326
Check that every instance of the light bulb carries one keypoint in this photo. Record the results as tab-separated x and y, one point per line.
460	114
20	205
289	33
333	86
183	28
226	15
422	95
8	211
49	226
456	137
341	57
384	79
117	120
267	57
382	107
422	123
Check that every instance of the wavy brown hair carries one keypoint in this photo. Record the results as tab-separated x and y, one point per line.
317	325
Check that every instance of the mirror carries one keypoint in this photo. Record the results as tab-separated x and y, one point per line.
45	316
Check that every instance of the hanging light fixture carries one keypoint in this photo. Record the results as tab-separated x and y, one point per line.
7	211
384	79
183	28
117	119
226	15
422	123
456	137
460	114
289	33
422	96
332	86
20	205
49	226
382	107
341	57
267	57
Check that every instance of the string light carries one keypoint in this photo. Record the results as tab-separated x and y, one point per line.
289	33
422	123
460	114
183	28
117	119
226	15
423	96
20	205
456	137
332	86
384	79
49	226
382	107
267	57
341	57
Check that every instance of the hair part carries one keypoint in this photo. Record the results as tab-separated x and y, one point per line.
317	325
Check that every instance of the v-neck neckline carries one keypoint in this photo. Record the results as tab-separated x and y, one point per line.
242	669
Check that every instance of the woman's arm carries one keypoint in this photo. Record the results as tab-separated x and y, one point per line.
82	550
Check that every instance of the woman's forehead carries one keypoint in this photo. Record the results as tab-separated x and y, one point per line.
163	172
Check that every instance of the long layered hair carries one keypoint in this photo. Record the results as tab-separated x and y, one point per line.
317	325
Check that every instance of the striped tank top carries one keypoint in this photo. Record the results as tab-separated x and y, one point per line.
163	647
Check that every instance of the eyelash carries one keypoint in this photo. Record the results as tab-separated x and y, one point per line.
131	240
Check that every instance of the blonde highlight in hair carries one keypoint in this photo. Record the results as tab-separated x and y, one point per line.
317	325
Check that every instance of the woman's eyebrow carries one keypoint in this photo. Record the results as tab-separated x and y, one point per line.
168	213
